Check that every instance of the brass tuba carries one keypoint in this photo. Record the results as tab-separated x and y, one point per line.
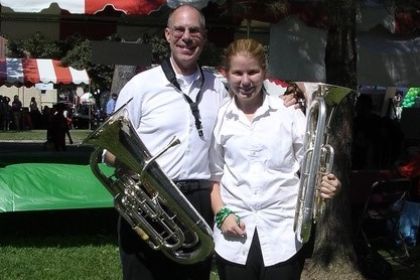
146	198
318	159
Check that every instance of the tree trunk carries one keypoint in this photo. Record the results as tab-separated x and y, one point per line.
122	74
333	252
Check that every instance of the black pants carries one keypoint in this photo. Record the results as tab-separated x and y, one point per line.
255	270
139	261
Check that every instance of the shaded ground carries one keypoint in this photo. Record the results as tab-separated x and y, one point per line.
386	260
404	268
64	223
22	152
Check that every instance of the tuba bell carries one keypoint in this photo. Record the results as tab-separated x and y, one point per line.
145	197
318	158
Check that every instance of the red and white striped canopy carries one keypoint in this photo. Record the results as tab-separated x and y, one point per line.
30	71
131	7
142	7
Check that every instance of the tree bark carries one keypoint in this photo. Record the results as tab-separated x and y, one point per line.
122	74
333	252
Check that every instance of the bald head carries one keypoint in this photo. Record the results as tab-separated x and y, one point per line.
189	9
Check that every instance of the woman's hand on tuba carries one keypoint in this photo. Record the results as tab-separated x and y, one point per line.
330	186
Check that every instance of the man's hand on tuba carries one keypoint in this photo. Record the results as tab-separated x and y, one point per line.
294	95
120	168
109	158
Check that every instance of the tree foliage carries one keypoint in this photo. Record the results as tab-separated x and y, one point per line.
37	46
79	55
408	5
160	48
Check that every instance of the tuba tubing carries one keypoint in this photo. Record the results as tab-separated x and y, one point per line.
145	197
309	170
318	158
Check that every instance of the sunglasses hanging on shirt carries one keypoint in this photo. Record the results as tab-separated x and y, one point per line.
170	75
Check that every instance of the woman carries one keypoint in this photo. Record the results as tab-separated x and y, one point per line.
255	156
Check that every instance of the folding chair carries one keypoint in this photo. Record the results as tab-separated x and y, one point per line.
381	214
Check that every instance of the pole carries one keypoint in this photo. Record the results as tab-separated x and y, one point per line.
90	119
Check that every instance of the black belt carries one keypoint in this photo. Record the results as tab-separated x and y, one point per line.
192	185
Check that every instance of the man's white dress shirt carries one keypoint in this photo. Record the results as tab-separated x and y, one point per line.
159	111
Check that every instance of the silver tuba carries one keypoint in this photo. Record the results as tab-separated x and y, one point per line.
318	159
147	199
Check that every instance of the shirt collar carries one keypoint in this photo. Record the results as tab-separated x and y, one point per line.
269	104
188	80
197	74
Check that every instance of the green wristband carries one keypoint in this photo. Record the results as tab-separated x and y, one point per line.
222	214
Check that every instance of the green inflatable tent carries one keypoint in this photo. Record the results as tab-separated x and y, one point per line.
51	186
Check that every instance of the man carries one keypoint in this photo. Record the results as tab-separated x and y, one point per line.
163	99
110	105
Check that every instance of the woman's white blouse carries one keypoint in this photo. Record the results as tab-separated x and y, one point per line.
257	163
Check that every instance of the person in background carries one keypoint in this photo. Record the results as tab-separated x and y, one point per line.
33	105
34	113
68	116
2	112
58	128
46	117
110	105
26	120
255	156
17	113
7	113
161	105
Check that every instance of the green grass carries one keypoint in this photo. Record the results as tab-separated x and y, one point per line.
55	262
59	245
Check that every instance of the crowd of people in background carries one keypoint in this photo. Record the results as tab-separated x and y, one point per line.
15	117
57	120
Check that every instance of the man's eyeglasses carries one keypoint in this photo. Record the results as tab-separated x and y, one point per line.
178	31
